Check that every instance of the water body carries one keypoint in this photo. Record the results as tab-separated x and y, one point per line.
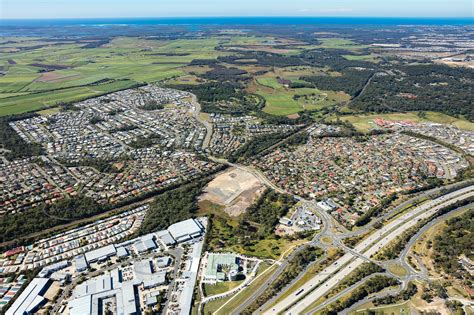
315	21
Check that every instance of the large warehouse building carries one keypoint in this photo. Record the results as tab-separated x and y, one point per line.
186	230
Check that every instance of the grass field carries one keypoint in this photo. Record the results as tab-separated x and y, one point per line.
216	304
49	111
240	297
396	309
221	287
397	270
371	58
37	101
66	72
282	100
365	122
340	43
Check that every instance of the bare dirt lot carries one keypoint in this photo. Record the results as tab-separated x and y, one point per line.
234	189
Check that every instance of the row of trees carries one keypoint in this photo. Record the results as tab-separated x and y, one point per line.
405	295
11	141
372	285
296	265
364	270
394	248
40	218
181	200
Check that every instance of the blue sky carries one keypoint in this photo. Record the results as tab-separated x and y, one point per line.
199	8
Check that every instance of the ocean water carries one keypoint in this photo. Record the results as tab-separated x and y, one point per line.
314	21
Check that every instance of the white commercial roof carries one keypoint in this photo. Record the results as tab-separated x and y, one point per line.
28	298
81	263
185	230
166	237
80	306
101	253
128	298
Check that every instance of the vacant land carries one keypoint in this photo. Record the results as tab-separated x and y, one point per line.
283	100
234	189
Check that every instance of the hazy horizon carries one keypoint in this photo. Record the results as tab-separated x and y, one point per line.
74	9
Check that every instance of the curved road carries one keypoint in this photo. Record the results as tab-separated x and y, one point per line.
322	283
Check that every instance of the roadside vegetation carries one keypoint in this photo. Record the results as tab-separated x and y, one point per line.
454	242
395	247
375	284
253	233
296	265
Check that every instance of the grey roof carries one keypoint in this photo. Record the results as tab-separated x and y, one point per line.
149	244
163	261
166	237
81	263
101	253
122	252
154	280
185	230
142	269
28	298
96	285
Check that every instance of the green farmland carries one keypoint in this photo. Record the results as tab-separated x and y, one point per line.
67	72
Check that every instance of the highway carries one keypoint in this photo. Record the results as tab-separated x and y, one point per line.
331	275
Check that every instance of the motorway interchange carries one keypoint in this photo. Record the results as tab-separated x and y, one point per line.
426	204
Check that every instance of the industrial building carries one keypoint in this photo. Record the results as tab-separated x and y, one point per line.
80	263
46	271
145	243
166	237
101	254
91	296
186	230
217	263
31	299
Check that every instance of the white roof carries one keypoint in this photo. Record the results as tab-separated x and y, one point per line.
101	253
28	298
166	237
184	229
81	305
